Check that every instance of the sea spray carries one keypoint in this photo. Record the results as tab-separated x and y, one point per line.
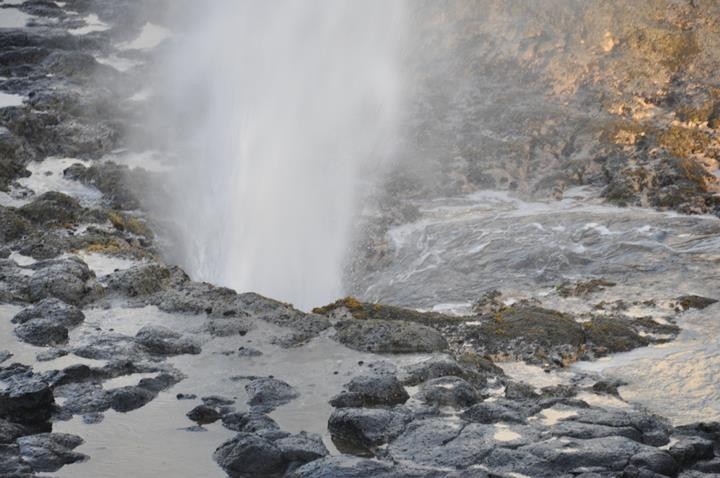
283	111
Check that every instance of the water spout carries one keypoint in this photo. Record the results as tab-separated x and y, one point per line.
287	109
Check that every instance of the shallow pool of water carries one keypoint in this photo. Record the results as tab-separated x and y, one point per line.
677	380
153	440
12	17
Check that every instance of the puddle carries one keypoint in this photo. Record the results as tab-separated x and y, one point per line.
504	434
103	264
22	260
8	99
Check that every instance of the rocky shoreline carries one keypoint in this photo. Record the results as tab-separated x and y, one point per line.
427	394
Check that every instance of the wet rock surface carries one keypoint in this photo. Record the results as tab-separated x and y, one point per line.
266	394
261	449
522	331
454	414
530	434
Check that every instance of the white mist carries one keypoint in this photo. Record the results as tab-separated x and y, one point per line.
287	108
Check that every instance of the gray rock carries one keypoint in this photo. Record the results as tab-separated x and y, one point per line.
11	464
437	367
448	391
42	332
249	422
109	346
203	414
50	354
84	398
161	382
609	453
302	448
9	431
611	335
585	431
126	399
344	466
711	467
228	327
266	394
250	456
12	225
116	182
163	341
520	391
686	302
199	298
283	315
359	430
656	461
50	451
69	280
689	450
529	333
217	401
493	412
52	309
370	391
655	431
434	442
52	208
248	352
24	396
93	418
139	280
389	336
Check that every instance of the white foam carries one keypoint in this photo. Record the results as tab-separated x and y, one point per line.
48	176
117	62
150	37
453	308
92	24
